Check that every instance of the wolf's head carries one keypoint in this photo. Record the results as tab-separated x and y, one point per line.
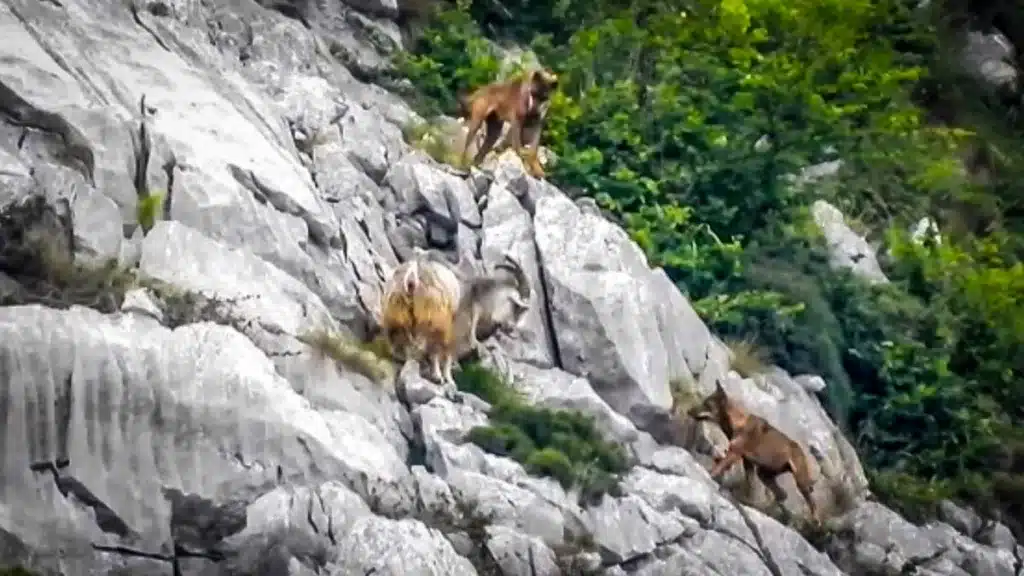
718	408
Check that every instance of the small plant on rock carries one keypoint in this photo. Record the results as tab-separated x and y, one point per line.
817	535
844	495
436	139
150	209
36	252
570	555
748	358
350	354
684	395
562	444
379	346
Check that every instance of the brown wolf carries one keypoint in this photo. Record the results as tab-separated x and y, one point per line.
521	102
760	446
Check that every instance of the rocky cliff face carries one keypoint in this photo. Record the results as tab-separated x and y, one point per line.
182	427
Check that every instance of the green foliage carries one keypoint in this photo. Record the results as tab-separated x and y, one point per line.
149	209
16	571
918	499
368	359
478	380
562	444
684	120
449	58
915	499
380	347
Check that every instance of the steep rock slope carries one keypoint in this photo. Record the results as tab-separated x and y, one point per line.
142	441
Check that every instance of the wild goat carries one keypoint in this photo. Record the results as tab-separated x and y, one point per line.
427	310
496	300
417	310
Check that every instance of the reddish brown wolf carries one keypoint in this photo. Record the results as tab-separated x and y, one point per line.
521	102
759	444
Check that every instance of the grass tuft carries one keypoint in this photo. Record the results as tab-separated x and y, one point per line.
437	140
844	496
562	444
748	358
379	346
684	395
817	535
360	358
36	254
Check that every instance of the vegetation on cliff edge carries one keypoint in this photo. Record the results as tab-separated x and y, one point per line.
562	444
685	121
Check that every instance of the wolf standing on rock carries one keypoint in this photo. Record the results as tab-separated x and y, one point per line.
521	102
759	445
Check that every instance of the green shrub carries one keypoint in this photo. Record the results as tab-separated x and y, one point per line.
449	58
562	444
474	378
150	209
1000	495
503	440
913	498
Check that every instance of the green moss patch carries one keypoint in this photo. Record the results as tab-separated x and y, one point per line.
365	359
562	444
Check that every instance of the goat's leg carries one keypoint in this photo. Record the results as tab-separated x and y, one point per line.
449	364
474	323
435	366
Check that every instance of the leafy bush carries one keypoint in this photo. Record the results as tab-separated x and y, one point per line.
917	499
562	444
684	120
452	38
